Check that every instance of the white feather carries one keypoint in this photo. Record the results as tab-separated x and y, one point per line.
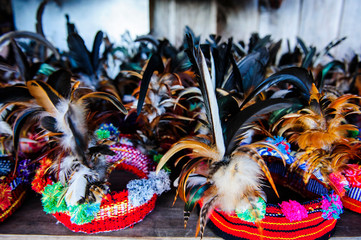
235	181
77	186
68	141
247	137
195	179
213	71
65	168
5	128
218	135
280	93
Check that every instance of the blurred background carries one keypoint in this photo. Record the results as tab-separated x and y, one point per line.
316	22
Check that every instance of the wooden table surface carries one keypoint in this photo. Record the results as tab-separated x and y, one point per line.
165	222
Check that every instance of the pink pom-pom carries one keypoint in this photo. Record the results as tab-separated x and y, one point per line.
293	210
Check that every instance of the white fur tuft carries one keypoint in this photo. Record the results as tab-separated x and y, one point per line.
237	182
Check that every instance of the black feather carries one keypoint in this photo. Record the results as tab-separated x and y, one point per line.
49	124
98	39
252	69
329	66
189	31
276	115
34	69
60	80
240	121
70	26
155	63
353	65
102	148
19	124
273	50
21	61
261	43
227	106
54	98
298	77
333	44
237	80
308	59
221	57
303	45
148	38
17	93
39	16
80	53
80	139
108	97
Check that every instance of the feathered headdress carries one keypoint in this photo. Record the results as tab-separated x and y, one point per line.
232	179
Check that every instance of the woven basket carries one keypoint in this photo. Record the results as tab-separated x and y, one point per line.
13	193
115	211
275	225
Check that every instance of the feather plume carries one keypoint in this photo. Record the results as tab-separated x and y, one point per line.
205	212
45	95
80	53
155	63
65	169
77	185
212	105
70	120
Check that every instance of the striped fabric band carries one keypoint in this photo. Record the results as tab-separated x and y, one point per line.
354	193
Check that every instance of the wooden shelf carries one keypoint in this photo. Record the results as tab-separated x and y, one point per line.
165	222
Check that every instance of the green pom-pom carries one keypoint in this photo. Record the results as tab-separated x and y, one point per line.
83	213
52	198
106	131
102	134
259	209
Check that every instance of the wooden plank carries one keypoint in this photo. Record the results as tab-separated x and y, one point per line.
163	19
200	16
319	21
281	23
350	18
165	222
46	237
237	19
